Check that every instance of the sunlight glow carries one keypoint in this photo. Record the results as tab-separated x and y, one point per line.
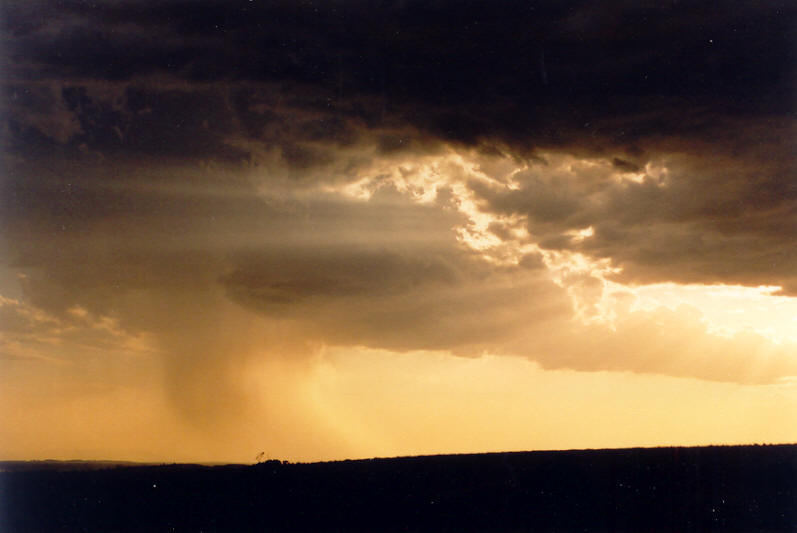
729	309
579	235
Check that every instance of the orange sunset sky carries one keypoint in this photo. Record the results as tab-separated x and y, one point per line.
357	229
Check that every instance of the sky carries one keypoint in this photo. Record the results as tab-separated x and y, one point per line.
345	229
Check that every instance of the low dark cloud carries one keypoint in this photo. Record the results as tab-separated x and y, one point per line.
419	299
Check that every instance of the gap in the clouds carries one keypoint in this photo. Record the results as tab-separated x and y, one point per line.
728	309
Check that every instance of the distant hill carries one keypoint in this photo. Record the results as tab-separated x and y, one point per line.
725	488
52	464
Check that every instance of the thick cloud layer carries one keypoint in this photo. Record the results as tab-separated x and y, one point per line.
616	60
633	83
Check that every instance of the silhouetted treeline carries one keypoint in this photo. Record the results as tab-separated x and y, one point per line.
735	488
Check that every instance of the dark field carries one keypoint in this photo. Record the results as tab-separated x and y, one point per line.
734	488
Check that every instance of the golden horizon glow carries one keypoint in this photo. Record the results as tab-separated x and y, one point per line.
360	403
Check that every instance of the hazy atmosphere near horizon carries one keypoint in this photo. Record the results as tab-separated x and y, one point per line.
345	229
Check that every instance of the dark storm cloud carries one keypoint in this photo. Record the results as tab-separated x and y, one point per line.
613	77
200	80
550	72
616	78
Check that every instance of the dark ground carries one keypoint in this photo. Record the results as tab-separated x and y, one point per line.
731	488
